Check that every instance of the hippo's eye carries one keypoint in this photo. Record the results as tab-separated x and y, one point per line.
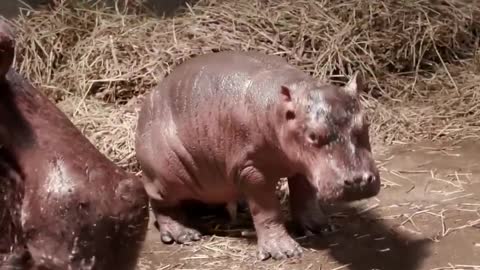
312	138
315	138
290	115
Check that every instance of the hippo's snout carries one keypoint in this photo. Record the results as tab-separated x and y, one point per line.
361	185
359	181
346	183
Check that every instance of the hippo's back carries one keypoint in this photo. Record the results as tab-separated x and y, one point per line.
221	82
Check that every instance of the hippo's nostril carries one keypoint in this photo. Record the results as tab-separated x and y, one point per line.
353	182
368	178
348	183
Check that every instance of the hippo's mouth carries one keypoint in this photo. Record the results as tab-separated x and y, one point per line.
330	193
364	192
354	195
339	193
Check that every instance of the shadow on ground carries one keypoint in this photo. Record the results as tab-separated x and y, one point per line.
365	243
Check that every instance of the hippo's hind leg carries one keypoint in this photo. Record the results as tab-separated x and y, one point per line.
171	221
305	208
170	218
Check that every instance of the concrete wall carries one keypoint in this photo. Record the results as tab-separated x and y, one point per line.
10	8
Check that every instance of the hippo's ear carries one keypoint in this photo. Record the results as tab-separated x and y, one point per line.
355	85
286	93
286	96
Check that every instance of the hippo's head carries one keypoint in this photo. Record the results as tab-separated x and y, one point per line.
7	47
324	131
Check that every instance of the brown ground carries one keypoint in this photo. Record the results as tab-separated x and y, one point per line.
426	217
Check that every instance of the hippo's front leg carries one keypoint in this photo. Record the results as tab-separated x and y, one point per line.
305	207
273	239
171	221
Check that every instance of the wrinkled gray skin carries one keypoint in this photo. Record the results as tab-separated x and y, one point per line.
228	125
63	205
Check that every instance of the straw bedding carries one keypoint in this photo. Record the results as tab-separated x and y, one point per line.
420	58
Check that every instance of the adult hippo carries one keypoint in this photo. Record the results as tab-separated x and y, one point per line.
63	205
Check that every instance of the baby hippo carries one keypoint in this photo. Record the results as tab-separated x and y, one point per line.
63	205
229	125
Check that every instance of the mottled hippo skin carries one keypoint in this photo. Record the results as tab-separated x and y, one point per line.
229	125
63	205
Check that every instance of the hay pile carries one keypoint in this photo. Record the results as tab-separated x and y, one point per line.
420	57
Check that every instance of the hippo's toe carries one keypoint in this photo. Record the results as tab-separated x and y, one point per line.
278	248
178	233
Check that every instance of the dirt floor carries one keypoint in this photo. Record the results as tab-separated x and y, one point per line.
426	217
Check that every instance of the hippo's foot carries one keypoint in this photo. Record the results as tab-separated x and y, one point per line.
178	233
278	246
305	208
171	224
